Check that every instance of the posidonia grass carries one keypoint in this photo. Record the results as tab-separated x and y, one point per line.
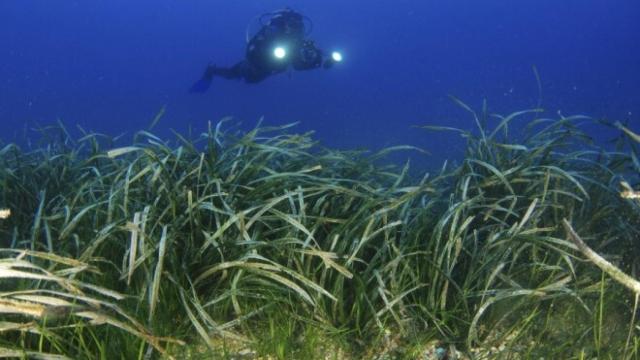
264	243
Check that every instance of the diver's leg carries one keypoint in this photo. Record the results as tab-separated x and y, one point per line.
237	71
254	74
253	78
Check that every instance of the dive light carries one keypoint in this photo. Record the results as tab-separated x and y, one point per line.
279	52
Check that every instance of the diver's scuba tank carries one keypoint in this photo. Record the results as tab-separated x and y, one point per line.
285	20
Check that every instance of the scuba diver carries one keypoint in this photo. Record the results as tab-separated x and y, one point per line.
280	43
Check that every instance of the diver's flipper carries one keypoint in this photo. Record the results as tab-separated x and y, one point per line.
201	85
204	83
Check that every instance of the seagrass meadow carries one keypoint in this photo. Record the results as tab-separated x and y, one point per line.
264	244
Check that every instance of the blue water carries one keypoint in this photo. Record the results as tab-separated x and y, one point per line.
109	66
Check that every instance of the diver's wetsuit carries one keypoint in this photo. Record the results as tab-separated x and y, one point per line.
286	29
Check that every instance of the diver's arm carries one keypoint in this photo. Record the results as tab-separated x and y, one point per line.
332	59
328	63
308	56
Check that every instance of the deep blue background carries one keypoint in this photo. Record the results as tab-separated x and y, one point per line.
109	66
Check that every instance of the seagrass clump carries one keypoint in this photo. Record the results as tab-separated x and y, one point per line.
264	242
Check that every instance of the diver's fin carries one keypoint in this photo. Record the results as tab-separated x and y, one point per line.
201	86
204	83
